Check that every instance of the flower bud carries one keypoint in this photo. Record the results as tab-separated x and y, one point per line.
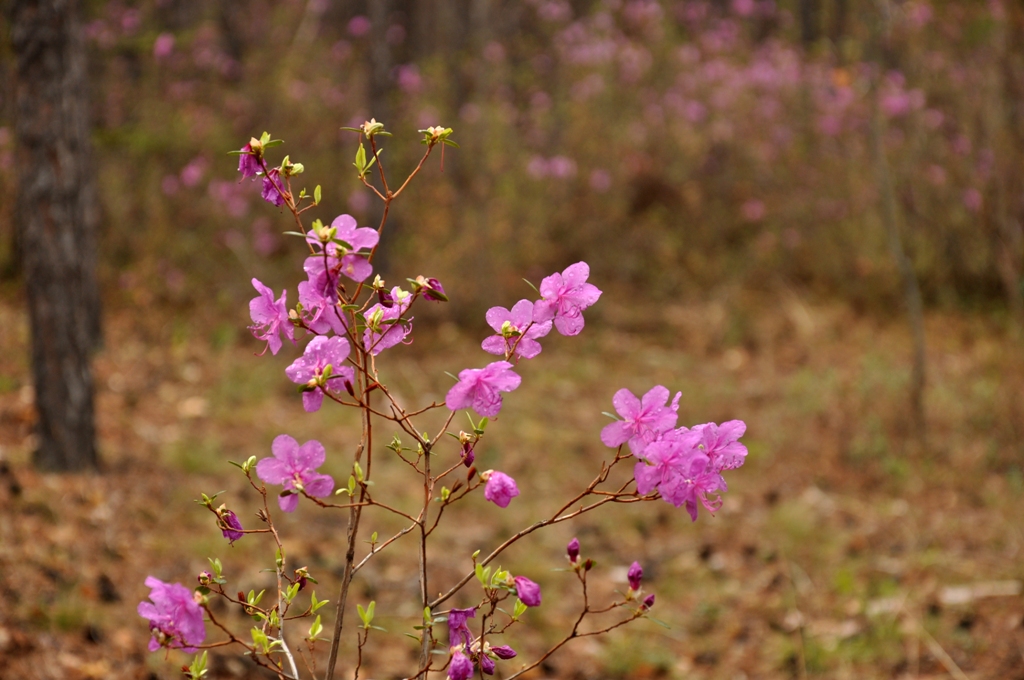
205	578
503	652
387	300
527	591
648	602
573	550
635	574
467	454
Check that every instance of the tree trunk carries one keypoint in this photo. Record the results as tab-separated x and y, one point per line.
55	218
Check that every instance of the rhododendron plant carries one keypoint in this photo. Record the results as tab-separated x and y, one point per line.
347	323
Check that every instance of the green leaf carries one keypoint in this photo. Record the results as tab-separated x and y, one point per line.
659	622
293	233
272	143
360	161
532	286
316	195
449	143
610	415
315	629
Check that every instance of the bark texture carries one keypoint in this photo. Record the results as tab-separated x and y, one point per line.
55	218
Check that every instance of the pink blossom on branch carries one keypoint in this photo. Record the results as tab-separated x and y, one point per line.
520	332
270	317
564	297
500	489
175	619
644	419
309	370
294	466
481	388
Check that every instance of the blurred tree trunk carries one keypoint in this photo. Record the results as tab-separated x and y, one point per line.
55	217
891	219
810	21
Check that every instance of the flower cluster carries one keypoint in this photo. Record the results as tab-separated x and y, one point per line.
351	322
684	465
466	651
563	298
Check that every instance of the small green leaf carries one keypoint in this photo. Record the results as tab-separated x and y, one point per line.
315	629
316	195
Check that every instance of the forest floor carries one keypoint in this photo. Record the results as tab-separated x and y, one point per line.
846	547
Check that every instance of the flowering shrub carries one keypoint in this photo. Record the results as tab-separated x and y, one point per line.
351	324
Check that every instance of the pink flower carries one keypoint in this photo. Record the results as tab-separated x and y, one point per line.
175	620
318	297
521	332
234	529
272	188
720	444
308	370
644	420
458	629
293	466
248	165
500	489
685	466
481	388
461	667
270	317
564	297
353	239
527	591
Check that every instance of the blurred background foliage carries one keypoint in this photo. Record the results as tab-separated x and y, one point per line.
681	148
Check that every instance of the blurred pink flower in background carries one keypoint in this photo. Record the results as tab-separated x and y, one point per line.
537	167
554	11
358	201
600	180
192	174
918	13
408	79
163	46
358	26
232	197
561	167
973	200
130	21
264	240
743	8
753	210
